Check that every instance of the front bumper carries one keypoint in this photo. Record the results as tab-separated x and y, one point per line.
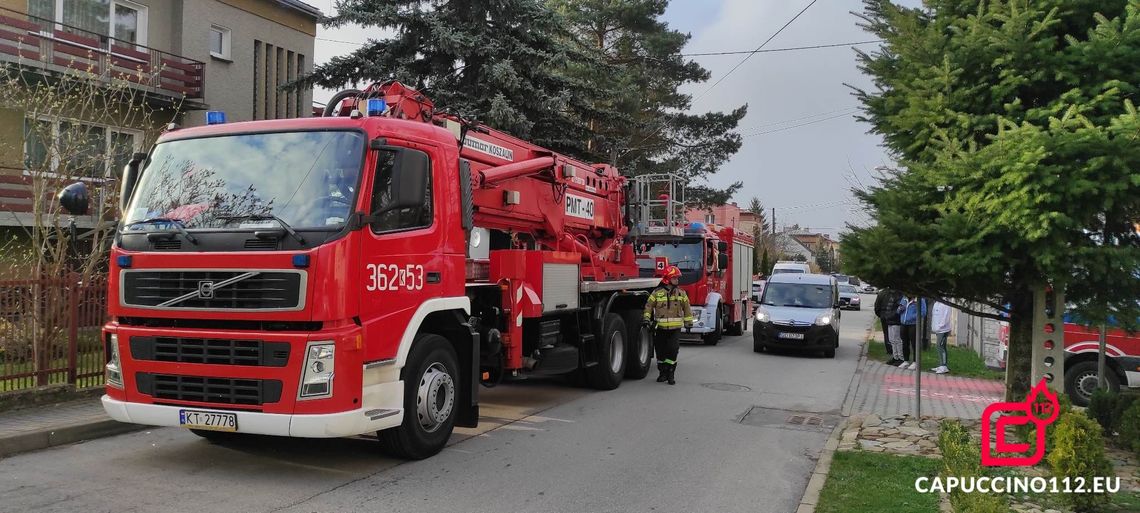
704	320
328	425
814	337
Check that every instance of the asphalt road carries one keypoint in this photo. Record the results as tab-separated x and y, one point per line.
738	432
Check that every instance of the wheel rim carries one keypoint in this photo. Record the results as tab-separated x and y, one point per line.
617	352
643	346
435	397
1086	384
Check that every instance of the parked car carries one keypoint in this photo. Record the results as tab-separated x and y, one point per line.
757	291
869	289
849	298
785	267
798	311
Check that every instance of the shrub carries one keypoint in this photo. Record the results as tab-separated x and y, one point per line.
1123	402
961	458
1101	407
1079	452
1128	425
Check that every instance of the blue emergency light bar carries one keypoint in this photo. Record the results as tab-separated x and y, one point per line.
215	117
376	106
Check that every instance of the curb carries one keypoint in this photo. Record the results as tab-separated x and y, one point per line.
819	475
62	435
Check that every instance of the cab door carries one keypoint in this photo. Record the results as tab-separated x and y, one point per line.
400	249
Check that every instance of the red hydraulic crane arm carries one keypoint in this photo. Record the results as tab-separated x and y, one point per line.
518	186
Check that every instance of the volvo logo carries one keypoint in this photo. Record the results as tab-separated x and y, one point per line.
205	290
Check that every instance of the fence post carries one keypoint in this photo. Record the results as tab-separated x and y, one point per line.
73	327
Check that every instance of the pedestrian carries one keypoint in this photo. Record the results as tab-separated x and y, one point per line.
886	306
940	325
909	310
667	311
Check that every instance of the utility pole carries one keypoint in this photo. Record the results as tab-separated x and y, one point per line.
773	220
1101	380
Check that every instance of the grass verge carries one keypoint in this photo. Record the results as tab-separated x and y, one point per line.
962	361
868	482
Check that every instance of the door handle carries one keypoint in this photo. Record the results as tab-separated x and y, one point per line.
434	277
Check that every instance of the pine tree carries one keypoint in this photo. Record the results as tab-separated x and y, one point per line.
500	62
1018	144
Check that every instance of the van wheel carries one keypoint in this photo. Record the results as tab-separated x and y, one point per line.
607	374
430	395
639	356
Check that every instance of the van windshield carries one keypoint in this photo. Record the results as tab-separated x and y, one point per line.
787	271
800	295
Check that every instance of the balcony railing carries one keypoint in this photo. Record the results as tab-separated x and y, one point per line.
29	39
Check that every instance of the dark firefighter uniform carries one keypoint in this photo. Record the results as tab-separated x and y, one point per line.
667	311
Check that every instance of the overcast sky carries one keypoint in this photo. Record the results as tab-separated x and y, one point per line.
803	149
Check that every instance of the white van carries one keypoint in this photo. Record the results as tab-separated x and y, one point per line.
791	267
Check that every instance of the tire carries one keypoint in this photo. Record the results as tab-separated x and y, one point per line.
431	380
216	437
737	328
607	374
829	353
711	339
1080	381
639	349
758	347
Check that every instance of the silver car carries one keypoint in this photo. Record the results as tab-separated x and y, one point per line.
849	298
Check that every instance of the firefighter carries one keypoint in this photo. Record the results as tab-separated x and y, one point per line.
667	311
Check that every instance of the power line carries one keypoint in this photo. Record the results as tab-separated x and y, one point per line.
847	110
789	49
661	124
781	129
339	41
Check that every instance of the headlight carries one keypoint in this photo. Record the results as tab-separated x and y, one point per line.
762	315
855	299
823	320
317	376
114	366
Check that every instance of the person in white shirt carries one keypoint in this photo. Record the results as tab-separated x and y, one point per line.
940	325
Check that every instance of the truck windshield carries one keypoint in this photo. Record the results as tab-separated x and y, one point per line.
306	179
688	256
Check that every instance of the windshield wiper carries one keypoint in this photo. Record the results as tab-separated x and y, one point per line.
176	223
267	217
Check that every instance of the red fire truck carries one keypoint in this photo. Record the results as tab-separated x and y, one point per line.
364	272
716	273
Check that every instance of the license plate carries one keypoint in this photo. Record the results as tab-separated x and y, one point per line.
211	420
793	336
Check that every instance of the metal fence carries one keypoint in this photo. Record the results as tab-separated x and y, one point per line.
50	333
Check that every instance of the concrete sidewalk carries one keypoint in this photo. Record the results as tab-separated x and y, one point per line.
888	391
50	425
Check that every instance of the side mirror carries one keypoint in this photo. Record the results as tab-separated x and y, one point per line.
131	173
722	261
722	246
409	181
74	199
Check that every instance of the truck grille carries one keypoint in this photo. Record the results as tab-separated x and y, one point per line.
213	290
209	390
211	351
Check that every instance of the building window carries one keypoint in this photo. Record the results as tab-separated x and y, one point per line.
710	218
120	19
77	149
219	42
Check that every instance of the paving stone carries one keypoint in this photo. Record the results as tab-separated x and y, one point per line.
872	420
913	431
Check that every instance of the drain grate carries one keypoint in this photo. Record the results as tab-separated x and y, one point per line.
787	419
726	387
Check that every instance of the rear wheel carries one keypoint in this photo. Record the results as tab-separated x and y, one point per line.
430	393
639	356
607	373
737	328
711	339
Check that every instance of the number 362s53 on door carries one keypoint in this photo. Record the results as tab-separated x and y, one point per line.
393	277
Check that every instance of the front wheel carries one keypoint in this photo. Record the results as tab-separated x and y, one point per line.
1081	381
737	328
711	339
430	393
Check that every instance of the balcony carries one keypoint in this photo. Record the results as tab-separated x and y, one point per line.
39	42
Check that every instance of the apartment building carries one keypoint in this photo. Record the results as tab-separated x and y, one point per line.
184	56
